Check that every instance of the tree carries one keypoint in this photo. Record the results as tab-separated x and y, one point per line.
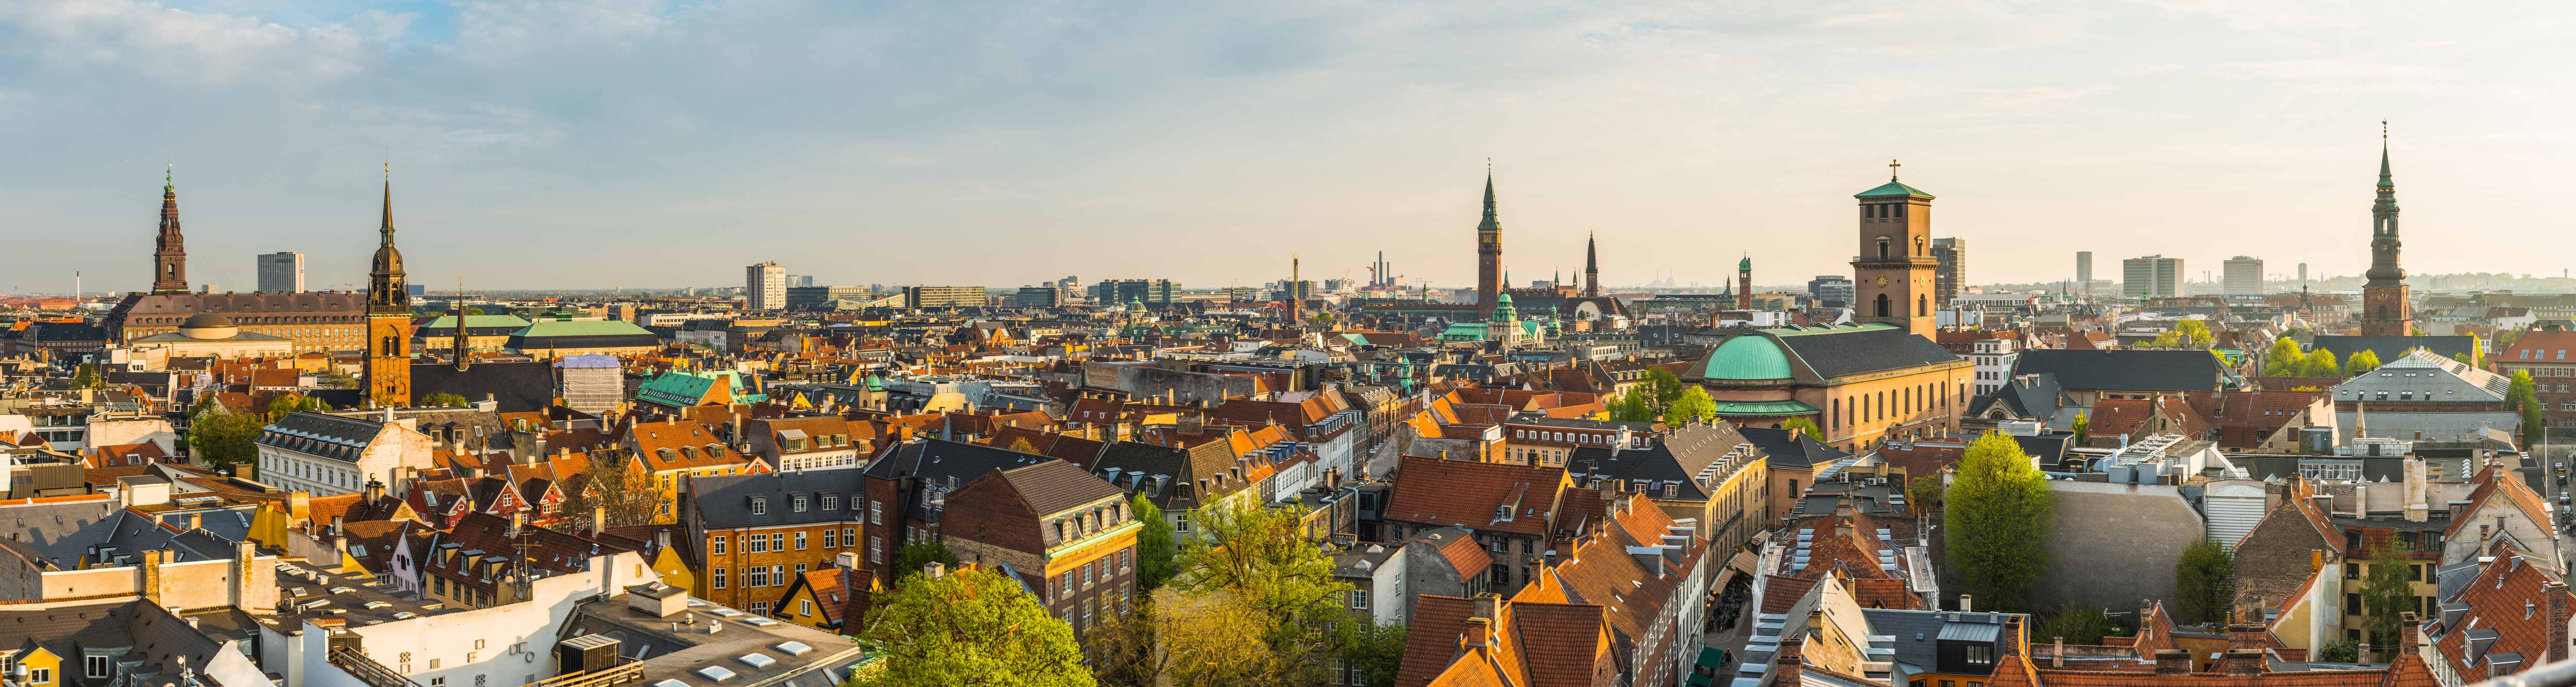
2284	359
1633	406
86	377
2168	339
2523	396
912	557
2078	624
337	380
2083	428
282	406
2385	594
219	438
1376	648
1022	445
970	627
445	399
622	489
1925	492
2195	333
2339	652
1662	388
1998	519
1156	545
2320	363
1694	405
2363	361
1804	425
2204	583
1258	559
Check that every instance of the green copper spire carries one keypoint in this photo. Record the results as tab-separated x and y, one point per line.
1490	221
2385	180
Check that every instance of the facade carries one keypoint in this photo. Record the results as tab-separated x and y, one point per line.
1952	275
2385	308
1063	531
482	332
326	453
918	297
2153	276
674	452
821	297
1489	255
2084	272
804	443
207	335
1994	359
1830	291
387	374
1894	266
551	339
1861	384
281	272
1112	291
2545	354
759	533
764	287
2242	276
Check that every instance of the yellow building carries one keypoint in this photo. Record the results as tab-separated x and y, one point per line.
671	451
44	668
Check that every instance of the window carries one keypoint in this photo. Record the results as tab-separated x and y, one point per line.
876	550
759	608
1087	568
778	575
805	607
778	541
1359	599
797	502
849	536
718	581
829	537
876	513
98	666
831	501
755	544
759	505
717	545
756	576
800	541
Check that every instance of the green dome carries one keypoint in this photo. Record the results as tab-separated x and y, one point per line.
1746	358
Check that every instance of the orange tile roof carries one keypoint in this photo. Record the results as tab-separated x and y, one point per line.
1439	492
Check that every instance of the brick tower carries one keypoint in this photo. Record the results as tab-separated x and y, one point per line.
1893	274
169	249
2385	311
388	369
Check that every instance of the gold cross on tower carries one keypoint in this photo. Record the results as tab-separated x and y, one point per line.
1892	164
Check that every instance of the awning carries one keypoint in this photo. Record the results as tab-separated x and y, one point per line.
1742	562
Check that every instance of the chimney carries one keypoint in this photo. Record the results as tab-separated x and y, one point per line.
2173	662
2057	652
2012	636
599	520
518	519
152	576
2367	655
375	490
1786	669
2316	559
339	524
2242	662
934	571
1964	605
2557	593
196	521
2410	636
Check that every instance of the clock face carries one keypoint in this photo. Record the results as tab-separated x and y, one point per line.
2383	295
1881	281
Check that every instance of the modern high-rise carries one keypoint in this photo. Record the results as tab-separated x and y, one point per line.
822	297
943	296
1830	291
1951	275
2242	276
2153	276
1120	291
764	287
2084	272
2303	274
281	272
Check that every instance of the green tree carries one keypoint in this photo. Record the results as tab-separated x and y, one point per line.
337	380
2320	363
1999	525
86	377
1633	407
219	438
1662	389
445	400
1804	425
2204	583
2361	362
1376	648
1925	492
1156	546
2385	594
2339	652
2077	623
2196	333
2523	396
1022	445
1694	405
911	557
2168	339
281	406
2083	428
2284	360
969	627
618	487
1259	560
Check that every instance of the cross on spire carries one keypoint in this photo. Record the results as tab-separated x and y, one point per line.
1892	164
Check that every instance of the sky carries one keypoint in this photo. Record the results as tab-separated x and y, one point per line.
643	144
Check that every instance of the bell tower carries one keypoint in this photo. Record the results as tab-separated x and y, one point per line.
388	368
169	249
2384	307
1892	275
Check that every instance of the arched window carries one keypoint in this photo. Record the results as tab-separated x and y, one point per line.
1882	249
1922	306
1882	298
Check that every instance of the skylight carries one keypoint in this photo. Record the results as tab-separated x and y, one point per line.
716	673
756	660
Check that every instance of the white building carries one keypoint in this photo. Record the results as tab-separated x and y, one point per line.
1376	575
764	287
338	453
1994	358
2242	275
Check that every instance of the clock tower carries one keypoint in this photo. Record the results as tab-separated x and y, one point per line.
2384	309
1892	274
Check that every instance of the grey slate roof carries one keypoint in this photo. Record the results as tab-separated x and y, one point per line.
1677	458
2422	377
2124	369
1864	350
940	461
2033	396
1184	467
321	434
514	387
1055	486
725	501
1786	454
2392	347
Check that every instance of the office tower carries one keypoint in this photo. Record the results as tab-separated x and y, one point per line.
943	296
1951	275
2303	274
1830	291
2243	275
2084	272
821	297
1120	291
281	272
2153	276
764	287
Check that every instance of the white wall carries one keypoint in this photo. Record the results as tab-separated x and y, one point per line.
509	645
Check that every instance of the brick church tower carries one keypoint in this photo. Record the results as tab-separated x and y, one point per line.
1892	275
169	249
2384	308
388	367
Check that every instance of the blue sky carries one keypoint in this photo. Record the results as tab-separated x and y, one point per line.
600	143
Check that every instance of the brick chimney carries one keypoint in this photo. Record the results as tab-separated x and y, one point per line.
2557	593
1786	670
1964	602
2057	652
2012	635
2410	635
2242	662
2173	662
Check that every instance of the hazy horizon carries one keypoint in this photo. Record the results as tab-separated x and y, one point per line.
598	143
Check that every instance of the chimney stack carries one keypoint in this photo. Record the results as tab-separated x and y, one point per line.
1786	670
2057	653
2410	635
2173	662
2557	593
2242	662
598	520
1965	603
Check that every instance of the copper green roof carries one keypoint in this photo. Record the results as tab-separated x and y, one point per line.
1725	408
1893	188
1747	357
579	328
477	322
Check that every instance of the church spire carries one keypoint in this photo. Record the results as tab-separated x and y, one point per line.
2385	180
1591	266
169	247
388	227
1491	222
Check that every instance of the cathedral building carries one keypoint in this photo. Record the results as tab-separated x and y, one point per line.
313	322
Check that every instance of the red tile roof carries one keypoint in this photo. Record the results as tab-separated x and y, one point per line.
1439	492
2511	597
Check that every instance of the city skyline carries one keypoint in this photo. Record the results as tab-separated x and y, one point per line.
2272	158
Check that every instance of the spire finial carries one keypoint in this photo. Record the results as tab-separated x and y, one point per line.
1892	164
168	170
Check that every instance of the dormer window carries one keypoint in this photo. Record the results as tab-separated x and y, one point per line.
831	502
759	505
797	503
